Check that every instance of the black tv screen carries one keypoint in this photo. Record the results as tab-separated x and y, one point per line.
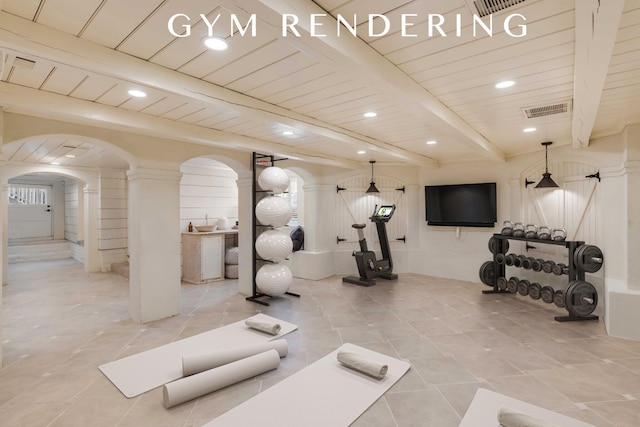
461	205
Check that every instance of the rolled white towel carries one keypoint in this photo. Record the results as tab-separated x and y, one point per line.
362	364
264	326
507	417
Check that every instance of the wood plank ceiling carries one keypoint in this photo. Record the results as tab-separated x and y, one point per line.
76	60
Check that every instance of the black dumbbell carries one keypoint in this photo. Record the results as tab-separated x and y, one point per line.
546	293
547	266
536	265
501	283
517	262
523	287
558	298
512	285
534	290
527	263
500	258
560	269
509	259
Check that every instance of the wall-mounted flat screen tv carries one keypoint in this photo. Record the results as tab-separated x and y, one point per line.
461	205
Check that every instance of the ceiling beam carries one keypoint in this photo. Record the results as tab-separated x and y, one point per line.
596	29
20	99
357	57
27	37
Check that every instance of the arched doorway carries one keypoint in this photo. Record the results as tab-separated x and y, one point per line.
75	168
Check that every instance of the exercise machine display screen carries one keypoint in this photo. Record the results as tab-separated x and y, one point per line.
384	212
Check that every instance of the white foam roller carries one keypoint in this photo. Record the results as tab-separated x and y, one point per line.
188	388
273	179
274	245
196	363
231	271
232	255
273	211
274	279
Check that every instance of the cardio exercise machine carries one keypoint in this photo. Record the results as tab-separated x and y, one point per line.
369	267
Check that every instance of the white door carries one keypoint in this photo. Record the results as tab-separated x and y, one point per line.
30	216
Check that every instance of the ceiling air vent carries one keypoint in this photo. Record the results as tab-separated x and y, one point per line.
484	8
547	110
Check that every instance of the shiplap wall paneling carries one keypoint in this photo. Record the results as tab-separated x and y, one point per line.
207	189
112	233
580	201
355	206
572	206
71	211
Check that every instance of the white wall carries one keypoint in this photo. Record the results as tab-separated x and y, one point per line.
71	211
207	188
112	217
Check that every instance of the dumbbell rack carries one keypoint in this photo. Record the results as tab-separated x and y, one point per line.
574	272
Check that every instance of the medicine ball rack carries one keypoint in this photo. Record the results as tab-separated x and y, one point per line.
259	162
580	298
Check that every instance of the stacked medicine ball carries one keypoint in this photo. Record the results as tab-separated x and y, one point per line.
231	263
273	245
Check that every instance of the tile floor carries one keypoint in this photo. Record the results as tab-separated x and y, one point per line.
59	323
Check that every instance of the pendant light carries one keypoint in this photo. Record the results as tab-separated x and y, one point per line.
372	186
546	181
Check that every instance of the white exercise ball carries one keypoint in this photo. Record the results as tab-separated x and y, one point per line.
273	211
273	179
274	279
274	245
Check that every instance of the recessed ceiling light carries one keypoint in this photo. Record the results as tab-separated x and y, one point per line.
362	152
71	156
432	142
137	93
216	43
287	133
528	130
55	163
370	114
505	84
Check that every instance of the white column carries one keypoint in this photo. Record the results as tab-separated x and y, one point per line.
154	243
245	235
415	216
621	239
4	206
80	225
320	230
632	167
316	261
58	210
90	209
4	229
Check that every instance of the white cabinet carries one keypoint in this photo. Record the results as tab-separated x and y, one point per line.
202	257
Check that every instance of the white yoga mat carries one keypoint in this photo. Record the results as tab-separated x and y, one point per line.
483	411
185	389
195	363
323	394
139	373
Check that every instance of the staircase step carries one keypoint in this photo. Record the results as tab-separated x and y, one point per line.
54	249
